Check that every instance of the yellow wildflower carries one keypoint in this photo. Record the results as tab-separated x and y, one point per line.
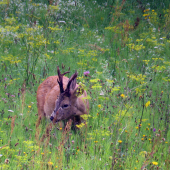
50	163
120	141
147	104
122	95
155	163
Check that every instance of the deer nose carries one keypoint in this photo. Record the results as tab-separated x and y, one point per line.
51	118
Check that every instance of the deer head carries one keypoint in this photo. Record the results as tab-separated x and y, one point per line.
68	103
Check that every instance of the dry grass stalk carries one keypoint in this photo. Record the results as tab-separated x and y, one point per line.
13	124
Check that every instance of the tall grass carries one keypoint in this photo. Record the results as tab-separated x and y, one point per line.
125	47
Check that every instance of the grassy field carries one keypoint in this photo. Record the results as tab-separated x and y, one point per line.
125	47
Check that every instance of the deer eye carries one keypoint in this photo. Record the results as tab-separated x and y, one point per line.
65	106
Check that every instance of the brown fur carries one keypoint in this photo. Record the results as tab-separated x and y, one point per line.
49	91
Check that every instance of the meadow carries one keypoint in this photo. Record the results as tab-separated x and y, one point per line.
121	52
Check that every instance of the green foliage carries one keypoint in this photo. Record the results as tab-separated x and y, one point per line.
125	47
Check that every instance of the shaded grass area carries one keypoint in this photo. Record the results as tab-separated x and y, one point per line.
125	47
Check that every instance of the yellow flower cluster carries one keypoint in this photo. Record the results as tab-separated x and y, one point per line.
12	59
4	2
138	77
135	47
54	28
80	125
158	68
53	7
115	29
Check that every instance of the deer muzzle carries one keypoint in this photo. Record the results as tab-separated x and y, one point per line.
51	118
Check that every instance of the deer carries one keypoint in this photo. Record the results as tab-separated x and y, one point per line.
60	98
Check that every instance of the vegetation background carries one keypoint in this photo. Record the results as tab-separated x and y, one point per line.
121	52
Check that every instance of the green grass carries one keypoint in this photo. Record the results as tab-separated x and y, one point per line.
124	45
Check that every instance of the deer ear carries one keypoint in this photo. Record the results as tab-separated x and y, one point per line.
78	91
73	84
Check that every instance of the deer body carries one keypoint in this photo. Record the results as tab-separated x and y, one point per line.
60	98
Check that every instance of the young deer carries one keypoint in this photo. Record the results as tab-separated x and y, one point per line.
60	98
